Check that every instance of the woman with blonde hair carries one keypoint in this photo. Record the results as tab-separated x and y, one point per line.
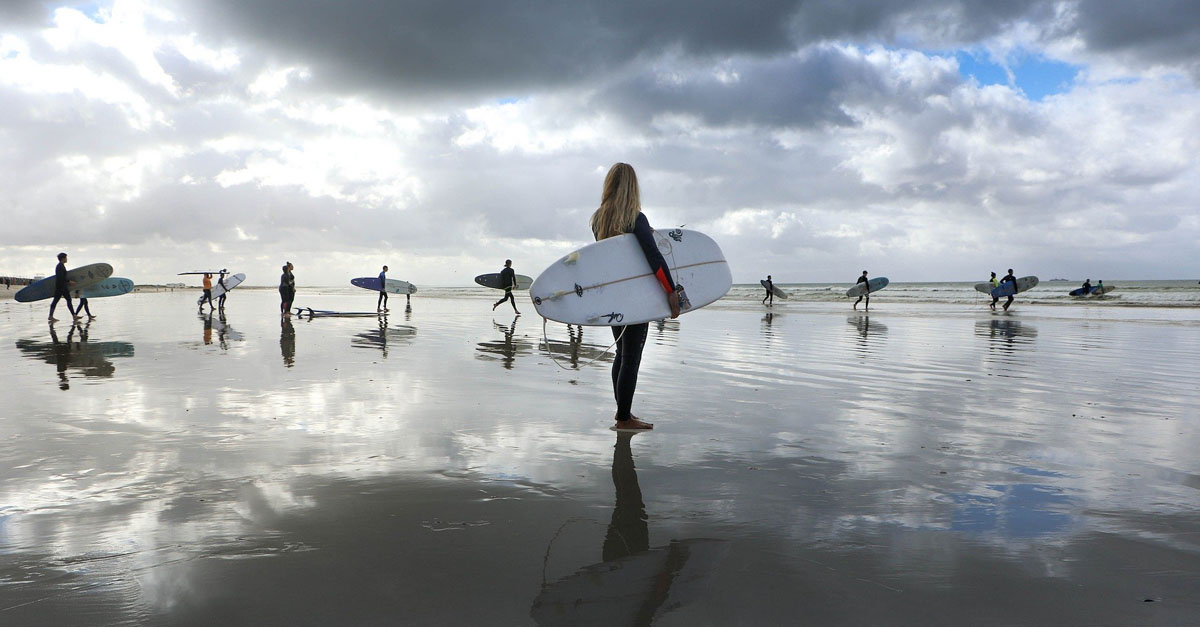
620	212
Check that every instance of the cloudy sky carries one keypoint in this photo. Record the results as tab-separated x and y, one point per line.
921	139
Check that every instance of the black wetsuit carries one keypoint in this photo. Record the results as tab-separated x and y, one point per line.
1087	288
224	290
632	338
770	292
867	294
61	289
1006	279
382	302
287	291
508	280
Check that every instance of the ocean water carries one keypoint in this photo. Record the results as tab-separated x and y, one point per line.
1181	293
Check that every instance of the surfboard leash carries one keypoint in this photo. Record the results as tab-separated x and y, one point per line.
546	343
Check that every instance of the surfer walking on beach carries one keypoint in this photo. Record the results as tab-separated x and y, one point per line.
381	304
224	290
62	288
1009	277
995	283
508	280
620	212
207	292
770	292
866	292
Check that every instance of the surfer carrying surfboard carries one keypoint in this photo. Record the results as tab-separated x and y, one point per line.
207	293
866	293
62	288
770	292
381	304
224	290
1009	277
620	212
508	280
995	283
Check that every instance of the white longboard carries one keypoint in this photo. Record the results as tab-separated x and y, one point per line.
231	281
609	283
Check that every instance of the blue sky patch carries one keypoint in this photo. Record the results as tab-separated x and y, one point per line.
1034	74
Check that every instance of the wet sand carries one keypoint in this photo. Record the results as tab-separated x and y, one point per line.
922	465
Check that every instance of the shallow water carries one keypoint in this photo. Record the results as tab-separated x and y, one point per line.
923	464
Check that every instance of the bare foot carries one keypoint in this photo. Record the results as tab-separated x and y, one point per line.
633	424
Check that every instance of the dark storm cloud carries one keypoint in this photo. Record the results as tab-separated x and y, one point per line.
26	12
796	91
430	48
1163	31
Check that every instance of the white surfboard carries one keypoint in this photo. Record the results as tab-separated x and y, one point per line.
231	281
609	283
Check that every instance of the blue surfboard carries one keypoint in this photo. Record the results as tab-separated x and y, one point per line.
83	276
1009	288
112	286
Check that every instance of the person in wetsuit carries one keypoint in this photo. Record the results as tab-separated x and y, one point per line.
995	283
770	292
207	293
287	289
1009	277
62	288
508	280
381	304
1086	287
620	212
865	294
224	290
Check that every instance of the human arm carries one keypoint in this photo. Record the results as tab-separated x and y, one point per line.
658	265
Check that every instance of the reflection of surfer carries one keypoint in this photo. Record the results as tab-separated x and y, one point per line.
620	212
509	350
62	356
634	585
508	280
287	342
207	327
770	292
62	287
381	304
628	533
866	292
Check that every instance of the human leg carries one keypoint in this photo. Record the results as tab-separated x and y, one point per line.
626	363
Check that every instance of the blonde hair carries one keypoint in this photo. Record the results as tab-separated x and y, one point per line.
620	203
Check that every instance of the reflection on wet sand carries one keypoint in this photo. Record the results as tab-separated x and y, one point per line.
508	349
575	348
634	584
206	319
869	333
1006	330
377	338
225	332
287	341
91	359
